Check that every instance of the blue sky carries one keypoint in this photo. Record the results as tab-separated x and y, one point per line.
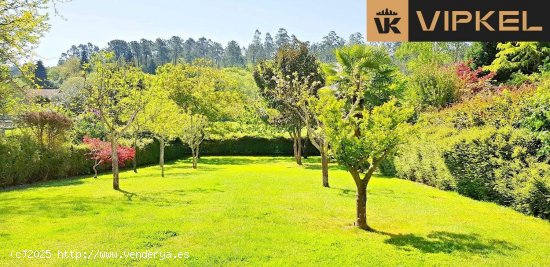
99	21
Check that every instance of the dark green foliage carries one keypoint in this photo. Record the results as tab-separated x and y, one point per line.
485	162
23	160
387	167
482	163
40	75
233	56
535	116
251	146
421	159
482	54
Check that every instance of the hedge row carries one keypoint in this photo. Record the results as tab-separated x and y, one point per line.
498	165
23	161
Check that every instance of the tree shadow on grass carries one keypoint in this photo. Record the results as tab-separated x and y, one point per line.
448	242
129	195
345	192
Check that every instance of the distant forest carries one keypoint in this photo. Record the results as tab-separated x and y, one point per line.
149	54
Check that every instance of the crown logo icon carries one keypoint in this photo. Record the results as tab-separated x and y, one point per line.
387	12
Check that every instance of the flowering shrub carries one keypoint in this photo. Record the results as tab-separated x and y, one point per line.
100	152
475	81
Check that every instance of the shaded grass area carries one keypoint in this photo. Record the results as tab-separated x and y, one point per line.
236	211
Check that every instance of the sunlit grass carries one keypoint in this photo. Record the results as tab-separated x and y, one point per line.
264	211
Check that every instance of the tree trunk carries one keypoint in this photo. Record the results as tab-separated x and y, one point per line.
194	154
361	205
161	160
360	199
299	150
304	148
324	165
134	160
95	167
297	146
114	159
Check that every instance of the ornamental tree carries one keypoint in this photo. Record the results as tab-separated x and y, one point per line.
100	153
161	117
49	127
117	93
362	132
194	131
291	77
204	95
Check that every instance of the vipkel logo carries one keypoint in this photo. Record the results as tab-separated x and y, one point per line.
465	20
386	21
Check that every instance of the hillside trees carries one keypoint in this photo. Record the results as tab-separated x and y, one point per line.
361	128
233	55
116	94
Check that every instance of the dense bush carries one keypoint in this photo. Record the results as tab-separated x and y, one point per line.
499	165
421	159
484	162
535	116
23	160
434	86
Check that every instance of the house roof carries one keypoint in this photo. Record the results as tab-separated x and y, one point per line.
46	93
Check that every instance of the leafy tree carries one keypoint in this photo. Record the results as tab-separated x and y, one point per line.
524	57
482	54
233	56
148	61
362	132
116	93
193	133
277	82
70	67
135	49
121	49
22	23
49	127
83	52
255	51
269	46
72	95
40	75
282	38
204	95
356	38
161	52
161	117
326	49
176	45
100	153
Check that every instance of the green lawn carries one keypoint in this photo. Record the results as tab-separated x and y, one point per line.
263	211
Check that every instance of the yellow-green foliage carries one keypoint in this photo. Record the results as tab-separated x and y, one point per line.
263	211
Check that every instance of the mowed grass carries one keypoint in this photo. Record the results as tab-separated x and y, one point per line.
236	211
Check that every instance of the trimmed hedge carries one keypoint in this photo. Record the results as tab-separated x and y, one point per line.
498	165
23	161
